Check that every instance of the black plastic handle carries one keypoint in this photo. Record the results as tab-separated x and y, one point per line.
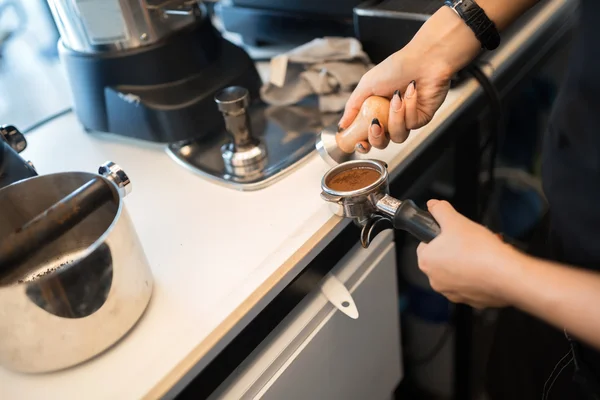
415	221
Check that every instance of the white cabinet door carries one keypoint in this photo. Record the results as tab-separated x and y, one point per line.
318	352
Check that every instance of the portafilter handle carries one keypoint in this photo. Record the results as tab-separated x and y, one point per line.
407	216
404	215
233	103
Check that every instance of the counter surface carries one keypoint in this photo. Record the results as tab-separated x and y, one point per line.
218	255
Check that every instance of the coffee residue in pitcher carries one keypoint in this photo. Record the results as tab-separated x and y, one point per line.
353	179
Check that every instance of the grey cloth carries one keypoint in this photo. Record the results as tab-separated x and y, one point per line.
329	67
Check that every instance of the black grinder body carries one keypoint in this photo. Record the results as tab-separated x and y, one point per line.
161	92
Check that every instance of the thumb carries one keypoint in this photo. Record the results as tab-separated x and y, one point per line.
442	211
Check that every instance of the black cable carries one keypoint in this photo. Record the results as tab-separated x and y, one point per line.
435	349
497	130
47	120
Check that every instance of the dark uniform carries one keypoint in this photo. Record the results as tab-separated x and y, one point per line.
530	359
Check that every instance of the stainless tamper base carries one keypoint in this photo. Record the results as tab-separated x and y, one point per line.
329	150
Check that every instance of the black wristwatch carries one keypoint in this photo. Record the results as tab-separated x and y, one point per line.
476	19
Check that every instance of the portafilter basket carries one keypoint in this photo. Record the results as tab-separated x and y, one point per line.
359	190
71	299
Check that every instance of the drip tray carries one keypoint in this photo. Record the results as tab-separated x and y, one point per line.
287	132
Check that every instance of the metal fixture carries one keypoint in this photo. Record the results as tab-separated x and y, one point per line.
81	293
245	154
372	208
328	149
260	144
116	175
92	26
13	167
15	139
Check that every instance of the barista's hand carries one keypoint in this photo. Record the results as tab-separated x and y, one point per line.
420	72
417	85
466	263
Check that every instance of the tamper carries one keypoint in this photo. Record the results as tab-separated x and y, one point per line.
259	144
358	189
338	147
245	154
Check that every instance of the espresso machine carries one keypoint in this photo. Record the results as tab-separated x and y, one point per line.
148	69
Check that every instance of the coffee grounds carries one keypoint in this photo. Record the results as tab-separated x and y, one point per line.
353	179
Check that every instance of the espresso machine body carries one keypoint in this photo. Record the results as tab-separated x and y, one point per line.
148	69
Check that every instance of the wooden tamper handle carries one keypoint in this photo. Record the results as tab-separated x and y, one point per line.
358	131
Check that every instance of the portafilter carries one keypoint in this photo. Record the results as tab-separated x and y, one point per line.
359	189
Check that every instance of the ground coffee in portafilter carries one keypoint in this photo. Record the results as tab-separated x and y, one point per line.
353	179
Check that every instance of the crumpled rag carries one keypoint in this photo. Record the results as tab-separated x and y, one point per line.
328	67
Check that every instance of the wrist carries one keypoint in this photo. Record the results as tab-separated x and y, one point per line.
446	38
507	267
516	277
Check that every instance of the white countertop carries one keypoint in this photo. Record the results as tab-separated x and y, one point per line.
218	256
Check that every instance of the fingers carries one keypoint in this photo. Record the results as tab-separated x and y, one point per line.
354	103
396	119
377	135
420	249
442	211
410	103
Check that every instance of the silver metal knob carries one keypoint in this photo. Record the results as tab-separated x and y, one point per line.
114	173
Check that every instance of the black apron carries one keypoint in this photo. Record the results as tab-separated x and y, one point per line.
530	359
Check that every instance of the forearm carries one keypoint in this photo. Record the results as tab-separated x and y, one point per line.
566	297
446	34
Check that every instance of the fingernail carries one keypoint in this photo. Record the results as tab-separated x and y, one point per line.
410	90
396	101
432	203
339	128
376	127
360	148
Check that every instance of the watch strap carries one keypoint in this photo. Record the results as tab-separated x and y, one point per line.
476	19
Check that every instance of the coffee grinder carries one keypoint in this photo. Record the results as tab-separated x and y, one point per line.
148	69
